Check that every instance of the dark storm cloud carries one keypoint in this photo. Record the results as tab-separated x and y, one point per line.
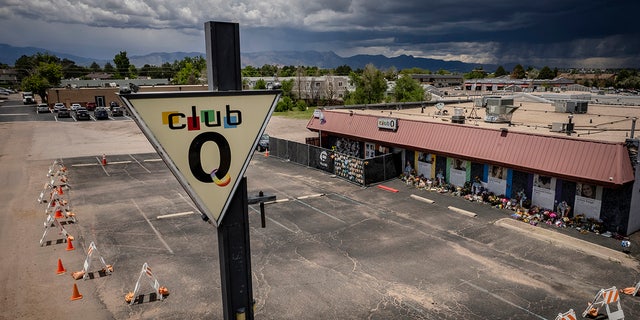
543	32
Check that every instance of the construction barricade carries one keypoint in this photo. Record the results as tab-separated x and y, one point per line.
52	222
91	252
606	298
131	297
632	291
569	315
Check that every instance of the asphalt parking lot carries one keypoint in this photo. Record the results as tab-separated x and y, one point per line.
331	249
17	112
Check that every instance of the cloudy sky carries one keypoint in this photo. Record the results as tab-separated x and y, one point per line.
555	33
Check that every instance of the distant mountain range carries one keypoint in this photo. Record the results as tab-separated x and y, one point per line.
325	60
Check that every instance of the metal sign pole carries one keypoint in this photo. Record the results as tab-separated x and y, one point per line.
224	74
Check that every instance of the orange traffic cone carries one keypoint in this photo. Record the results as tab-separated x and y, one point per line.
76	295
266	153
61	268
70	244
58	214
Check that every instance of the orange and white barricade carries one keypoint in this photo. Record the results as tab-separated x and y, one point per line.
153	281
606	298
632	291
569	315
53	222
93	250
61	210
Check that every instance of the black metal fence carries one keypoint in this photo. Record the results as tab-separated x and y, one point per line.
356	170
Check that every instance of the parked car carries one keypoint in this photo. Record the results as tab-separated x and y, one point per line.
64	113
91	106
117	112
75	106
82	114
58	106
263	143
27	97
42	107
101	113
113	104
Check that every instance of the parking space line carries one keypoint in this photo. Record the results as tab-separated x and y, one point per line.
310	196
85	164
151	160
173	215
152	227
120	162
140	164
501	298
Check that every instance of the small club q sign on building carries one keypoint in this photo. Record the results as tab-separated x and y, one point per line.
206	138
388	124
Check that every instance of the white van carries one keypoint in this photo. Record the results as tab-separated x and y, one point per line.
27	98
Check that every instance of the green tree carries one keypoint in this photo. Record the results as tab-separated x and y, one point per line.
146	71
250	71
51	72
301	105
261	84
415	70
408	90
24	66
47	74
108	68
133	71
268	70
284	104
343	70
545	73
287	71
166	71
39	72
95	67
287	88
500	71
391	74
518	72
477	73
188	75
370	86
122	65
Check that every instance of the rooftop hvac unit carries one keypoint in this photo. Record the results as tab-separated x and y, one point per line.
499	110
557	127
571	106
562	127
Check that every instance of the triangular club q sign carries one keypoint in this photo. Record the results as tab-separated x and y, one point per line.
206	138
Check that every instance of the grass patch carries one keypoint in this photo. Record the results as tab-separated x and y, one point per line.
296	114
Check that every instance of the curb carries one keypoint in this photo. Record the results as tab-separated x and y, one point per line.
562	240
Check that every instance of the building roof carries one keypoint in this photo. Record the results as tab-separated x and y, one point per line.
581	160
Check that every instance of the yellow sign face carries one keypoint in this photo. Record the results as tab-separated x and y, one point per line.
206	138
